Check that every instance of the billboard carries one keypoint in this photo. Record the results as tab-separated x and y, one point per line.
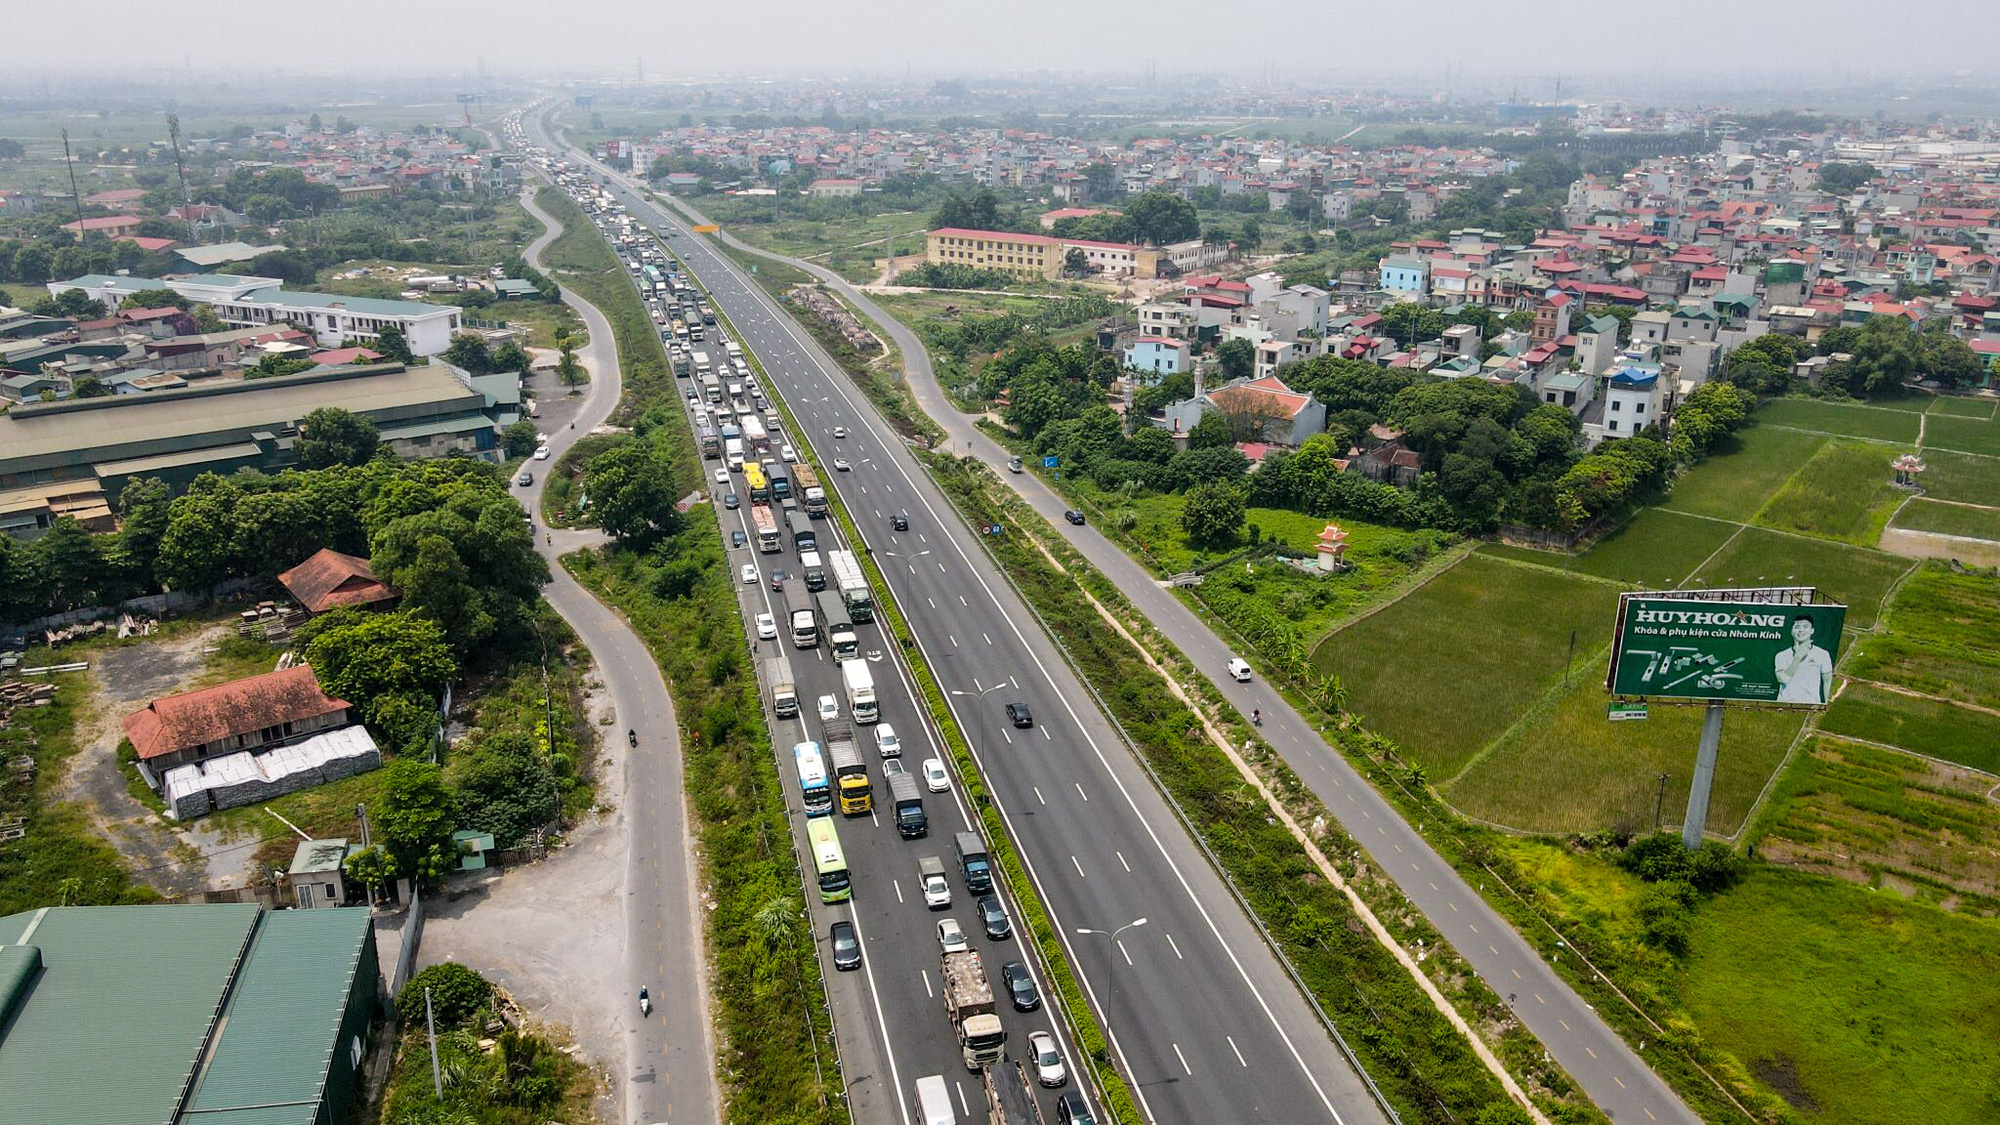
1732	646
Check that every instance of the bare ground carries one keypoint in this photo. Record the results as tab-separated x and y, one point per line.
172	859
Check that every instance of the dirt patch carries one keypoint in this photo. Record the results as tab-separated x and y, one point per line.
1782	1076
172	859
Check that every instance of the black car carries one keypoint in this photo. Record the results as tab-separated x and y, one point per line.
900	523
846	946
1073	516
730	501
736	537
1017	713
994	915
1021	986
1072	1110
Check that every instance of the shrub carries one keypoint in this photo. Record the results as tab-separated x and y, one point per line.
457	994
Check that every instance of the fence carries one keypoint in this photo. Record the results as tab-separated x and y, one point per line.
406	949
150	605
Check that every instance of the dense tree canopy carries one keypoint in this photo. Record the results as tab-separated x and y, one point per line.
632	493
331	436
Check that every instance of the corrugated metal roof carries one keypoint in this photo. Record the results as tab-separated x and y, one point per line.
111	1031
278	1036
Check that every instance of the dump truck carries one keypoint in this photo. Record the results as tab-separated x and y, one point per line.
850	770
968	1000
909	799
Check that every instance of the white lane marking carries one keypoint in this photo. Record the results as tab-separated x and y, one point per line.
932	604
1121	861
920	538
1123	950
988	640
1183	1058
1171	944
962	601
1038	794
1005	735
898	884
1239	1054
1012	684
1079	868
928	991
941	569
962	1107
1081	793
1046	735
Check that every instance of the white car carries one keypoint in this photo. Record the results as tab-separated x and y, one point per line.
840	431
840	465
935	779
950	938
749	574
829	708
767	627
887	742
1049	1069
789	454
1239	669
542	453
722	476
892	767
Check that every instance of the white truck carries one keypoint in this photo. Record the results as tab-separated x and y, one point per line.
860	681
937	888
784	693
968	1000
853	585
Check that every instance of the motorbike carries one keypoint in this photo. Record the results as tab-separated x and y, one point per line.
632	737
645	1003
1256	718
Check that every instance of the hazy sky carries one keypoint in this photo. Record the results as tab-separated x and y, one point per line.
1321	40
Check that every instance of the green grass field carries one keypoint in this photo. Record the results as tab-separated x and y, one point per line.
1741	472
1966	435
1964	407
1449	667
1844	573
1842	493
1858	1007
1950	519
1655	549
1943	638
1923	726
1881	423
1961	476
1568	768
1860	813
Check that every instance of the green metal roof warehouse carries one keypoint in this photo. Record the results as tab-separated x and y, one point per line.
178	1015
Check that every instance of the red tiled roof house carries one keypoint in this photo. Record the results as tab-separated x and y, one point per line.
330	579
254	714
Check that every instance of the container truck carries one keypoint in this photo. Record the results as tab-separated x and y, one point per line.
909	800
850	770
839	629
968	1000
860	682
853	585
973	862
784	693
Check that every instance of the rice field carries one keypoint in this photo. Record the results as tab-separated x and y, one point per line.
1656	549
1950	519
1853	575
1842	493
1878	423
1963	477
1742	472
1966	435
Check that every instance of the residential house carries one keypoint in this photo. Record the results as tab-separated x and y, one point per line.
329	579
1406	277
1157	356
1261	409
1385	455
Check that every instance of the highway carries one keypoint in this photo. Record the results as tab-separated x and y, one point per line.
1202	1015
1608	1069
669	1071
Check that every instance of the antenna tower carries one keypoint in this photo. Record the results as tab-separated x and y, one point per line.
180	169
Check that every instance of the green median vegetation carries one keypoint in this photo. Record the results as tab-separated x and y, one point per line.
671	581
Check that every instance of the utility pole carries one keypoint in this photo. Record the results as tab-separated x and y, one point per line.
75	195
431	1029
1659	804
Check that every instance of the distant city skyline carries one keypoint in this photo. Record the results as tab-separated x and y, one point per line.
1455	43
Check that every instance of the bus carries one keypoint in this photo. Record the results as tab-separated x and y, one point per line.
753	476
829	862
813	783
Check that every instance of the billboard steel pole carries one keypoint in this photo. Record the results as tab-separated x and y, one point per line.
1704	777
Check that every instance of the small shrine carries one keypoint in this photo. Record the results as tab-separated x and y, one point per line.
1905	470
1332	549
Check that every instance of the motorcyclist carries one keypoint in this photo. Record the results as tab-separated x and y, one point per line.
631	736
1256	717
645	1001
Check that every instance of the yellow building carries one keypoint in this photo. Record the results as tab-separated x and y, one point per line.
1025	255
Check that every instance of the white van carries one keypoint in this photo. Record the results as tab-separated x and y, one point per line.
1239	669
934	1101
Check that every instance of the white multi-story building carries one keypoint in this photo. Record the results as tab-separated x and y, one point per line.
334	319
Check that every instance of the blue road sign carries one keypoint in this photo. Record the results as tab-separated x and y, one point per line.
1048	462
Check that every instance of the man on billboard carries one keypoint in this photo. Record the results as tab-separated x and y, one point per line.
1805	671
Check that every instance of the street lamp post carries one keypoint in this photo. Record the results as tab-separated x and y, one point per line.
1111	970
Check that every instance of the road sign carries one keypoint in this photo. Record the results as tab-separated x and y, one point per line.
1050	462
1624	709
1729	646
705	228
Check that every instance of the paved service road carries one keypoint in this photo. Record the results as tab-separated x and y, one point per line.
1609	1070
1207	1023
669	1072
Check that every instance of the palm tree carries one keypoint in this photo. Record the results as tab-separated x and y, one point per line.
774	921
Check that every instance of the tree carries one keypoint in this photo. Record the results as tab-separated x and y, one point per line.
415	819
505	786
1211	431
567	368
1237	357
1075	262
1101	179
11	149
287	265
1842	179
519	439
70	564
1161	217
471	353
1253	233
364	657
1409	322
33	262
632	493
391	342
978	210
89	386
1213	514
510	356
332	436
